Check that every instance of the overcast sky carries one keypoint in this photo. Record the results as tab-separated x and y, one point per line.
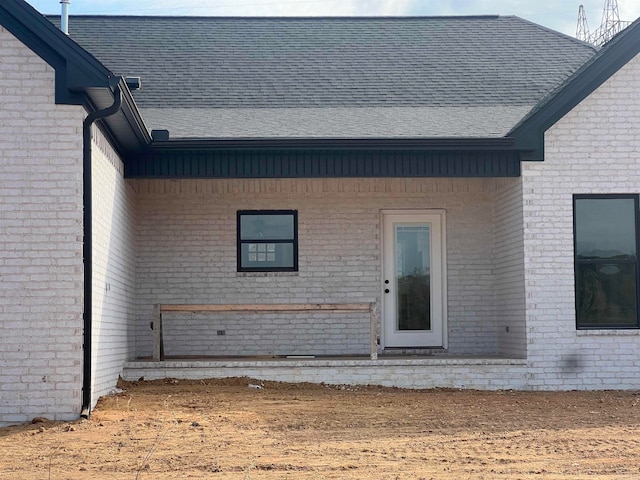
559	15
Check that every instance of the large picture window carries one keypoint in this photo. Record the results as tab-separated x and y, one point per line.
606	261
267	241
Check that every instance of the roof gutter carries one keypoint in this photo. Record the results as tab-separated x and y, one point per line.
435	144
87	243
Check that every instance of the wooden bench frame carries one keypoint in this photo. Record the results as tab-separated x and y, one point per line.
159	309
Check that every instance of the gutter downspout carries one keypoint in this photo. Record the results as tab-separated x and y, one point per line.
87	243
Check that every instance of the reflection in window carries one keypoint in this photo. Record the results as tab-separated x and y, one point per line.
267	240
605	228
413	277
606	261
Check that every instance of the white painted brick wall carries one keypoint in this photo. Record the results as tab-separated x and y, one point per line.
40	241
509	269
594	149
187	254
113	267
267	334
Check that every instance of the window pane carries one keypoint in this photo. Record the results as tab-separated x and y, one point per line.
605	228
267	227
413	277
267	255
606	294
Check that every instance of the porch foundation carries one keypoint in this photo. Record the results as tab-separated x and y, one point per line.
485	373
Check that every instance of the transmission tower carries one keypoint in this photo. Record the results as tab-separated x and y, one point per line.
610	15
611	24
582	30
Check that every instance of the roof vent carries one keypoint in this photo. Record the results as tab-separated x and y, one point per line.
64	17
160	135
134	83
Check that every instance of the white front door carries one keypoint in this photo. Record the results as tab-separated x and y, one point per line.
414	295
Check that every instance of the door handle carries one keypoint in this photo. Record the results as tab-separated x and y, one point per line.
386	290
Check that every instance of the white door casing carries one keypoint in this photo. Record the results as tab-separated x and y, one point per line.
414	278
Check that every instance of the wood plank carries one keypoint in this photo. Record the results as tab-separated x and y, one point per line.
158	309
271	308
373	331
157	333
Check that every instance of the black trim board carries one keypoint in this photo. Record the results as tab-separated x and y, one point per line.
434	144
321	163
529	133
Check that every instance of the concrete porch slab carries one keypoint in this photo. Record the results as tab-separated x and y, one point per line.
483	373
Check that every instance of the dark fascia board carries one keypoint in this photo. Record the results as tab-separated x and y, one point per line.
131	112
76	69
433	144
80	79
529	133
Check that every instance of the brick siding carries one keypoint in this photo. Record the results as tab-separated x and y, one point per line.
187	254
40	241
595	148
509	269
113	267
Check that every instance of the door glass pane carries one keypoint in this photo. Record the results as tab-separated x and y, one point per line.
413	277
606	294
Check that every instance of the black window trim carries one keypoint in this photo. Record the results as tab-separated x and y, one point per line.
240	241
605	196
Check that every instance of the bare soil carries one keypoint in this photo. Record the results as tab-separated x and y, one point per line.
225	429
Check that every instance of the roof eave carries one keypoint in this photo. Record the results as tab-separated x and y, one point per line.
76	69
529	133
435	144
126	128
80	79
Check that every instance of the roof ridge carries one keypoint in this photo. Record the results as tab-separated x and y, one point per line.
558	33
323	17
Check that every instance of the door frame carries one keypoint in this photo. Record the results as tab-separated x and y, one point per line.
441	213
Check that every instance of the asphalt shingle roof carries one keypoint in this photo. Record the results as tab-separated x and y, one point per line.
333	77
365	122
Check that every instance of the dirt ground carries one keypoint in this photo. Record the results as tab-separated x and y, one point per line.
227	429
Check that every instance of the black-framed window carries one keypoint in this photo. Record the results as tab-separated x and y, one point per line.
267	241
606	245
